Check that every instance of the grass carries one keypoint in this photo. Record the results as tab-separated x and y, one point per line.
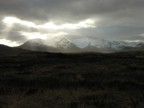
88	80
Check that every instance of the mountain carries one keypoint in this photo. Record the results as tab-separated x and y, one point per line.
6	50
102	45
63	44
66	45
59	45
129	46
38	45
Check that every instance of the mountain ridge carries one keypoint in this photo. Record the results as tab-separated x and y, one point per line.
81	45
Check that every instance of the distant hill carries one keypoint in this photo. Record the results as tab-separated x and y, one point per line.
37	45
66	45
6	50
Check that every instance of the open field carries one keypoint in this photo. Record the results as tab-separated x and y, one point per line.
88	80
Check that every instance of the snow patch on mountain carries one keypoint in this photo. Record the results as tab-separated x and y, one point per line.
85	44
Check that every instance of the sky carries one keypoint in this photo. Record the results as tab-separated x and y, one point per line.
21	20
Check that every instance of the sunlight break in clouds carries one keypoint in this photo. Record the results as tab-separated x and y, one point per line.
14	20
135	41
8	42
56	29
37	35
88	23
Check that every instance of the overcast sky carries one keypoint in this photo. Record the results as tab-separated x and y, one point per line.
107	19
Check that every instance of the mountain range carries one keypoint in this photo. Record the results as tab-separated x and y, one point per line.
81	45
65	45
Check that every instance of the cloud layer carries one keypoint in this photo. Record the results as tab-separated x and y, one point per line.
116	19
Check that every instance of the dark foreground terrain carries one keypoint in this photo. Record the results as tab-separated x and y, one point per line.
46	80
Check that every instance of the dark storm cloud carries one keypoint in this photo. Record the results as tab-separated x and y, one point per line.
119	19
34	9
15	36
56	9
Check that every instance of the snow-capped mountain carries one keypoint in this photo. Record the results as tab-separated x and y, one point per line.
63	44
66	45
99	43
38	45
105	44
58	45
